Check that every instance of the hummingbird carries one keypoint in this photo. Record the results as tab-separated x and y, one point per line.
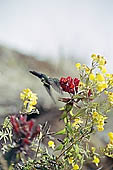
48	83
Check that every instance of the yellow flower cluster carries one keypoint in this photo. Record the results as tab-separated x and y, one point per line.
99	120
29	98
83	67
99	59
77	123
110	97
100	79
110	134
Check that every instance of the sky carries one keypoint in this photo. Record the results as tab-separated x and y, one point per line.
75	28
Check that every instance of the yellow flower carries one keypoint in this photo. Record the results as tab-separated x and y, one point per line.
51	144
105	92
95	115
92	76
81	84
100	128
30	108
76	123
102	61
93	149
78	65
101	86
87	69
110	134
108	75
100	77
94	57
99	120
109	78
25	94
96	160
75	167
70	160
102	68
110	97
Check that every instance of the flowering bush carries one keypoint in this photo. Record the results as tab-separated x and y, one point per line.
83	114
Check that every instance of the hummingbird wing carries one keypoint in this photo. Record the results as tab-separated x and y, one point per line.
48	88
54	82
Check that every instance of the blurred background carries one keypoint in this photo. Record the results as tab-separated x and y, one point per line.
50	37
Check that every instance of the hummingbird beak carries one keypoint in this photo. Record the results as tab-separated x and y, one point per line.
39	75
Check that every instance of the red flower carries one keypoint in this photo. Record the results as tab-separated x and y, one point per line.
24	130
69	85
76	82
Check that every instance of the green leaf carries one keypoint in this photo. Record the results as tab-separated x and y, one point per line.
80	112
77	96
79	156
69	127
61	132
77	149
60	147
71	112
68	107
62	108
64	115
